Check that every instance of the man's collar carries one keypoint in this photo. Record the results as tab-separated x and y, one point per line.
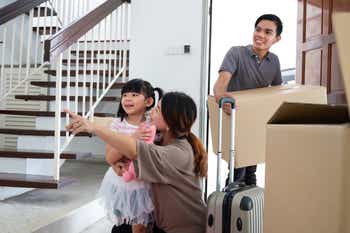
253	54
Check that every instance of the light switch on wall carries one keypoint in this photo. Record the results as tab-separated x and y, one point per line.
178	50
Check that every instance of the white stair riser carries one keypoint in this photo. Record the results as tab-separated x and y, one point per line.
43	167
72	91
80	78
48	123
94	66
13	165
106	107
80	91
91	145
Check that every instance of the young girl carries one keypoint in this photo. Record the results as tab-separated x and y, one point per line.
126	199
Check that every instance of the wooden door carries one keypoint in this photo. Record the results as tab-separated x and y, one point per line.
317	59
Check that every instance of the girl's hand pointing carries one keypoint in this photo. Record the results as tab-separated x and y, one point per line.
78	124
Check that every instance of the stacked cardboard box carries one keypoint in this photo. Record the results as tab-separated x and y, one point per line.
308	160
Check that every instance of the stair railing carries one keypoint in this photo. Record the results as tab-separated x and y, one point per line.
93	49
23	27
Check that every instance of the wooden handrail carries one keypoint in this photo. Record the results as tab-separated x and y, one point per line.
67	36
17	8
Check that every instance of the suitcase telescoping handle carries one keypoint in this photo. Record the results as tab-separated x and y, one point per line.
219	153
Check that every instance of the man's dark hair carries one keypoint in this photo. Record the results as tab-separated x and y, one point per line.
273	18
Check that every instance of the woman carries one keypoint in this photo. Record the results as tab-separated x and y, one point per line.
174	167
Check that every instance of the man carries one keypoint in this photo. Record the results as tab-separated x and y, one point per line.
248	67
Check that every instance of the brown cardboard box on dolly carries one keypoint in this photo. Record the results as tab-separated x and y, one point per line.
307	185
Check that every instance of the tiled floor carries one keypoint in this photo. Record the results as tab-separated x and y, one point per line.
102	226
38	208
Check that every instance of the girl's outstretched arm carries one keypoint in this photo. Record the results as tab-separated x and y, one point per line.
126	145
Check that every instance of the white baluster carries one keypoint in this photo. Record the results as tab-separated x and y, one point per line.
37	43
77	76
2	76
116	41
120	39
125	40
68	84
105	54
110	57
14	28
58	118
98	58
85	66
20	50
92	75
29	50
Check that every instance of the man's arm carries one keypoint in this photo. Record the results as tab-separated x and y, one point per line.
220	89
220	86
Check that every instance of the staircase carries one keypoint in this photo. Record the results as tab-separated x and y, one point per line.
73	68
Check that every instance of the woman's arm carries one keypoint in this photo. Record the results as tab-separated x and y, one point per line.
112	155
126	145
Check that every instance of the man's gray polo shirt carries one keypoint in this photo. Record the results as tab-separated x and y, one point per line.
248	72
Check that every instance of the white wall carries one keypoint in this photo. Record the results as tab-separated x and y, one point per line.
160	25
5	2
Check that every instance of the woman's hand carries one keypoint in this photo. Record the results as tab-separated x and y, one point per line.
79	124
143	132
120	168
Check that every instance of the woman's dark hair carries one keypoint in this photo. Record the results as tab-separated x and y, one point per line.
139	86
179	112
273	18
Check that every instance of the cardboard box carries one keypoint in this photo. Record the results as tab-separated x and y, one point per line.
307	185
253	108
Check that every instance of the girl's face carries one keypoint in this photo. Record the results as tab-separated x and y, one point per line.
135	103
157	118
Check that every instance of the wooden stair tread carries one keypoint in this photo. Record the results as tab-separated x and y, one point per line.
32	181
36	132
116	85
82	52
102	40
93	61
22	66
46	30
34	154
73	73
71	98
44	113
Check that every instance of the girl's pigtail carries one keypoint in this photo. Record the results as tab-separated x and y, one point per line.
159	91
